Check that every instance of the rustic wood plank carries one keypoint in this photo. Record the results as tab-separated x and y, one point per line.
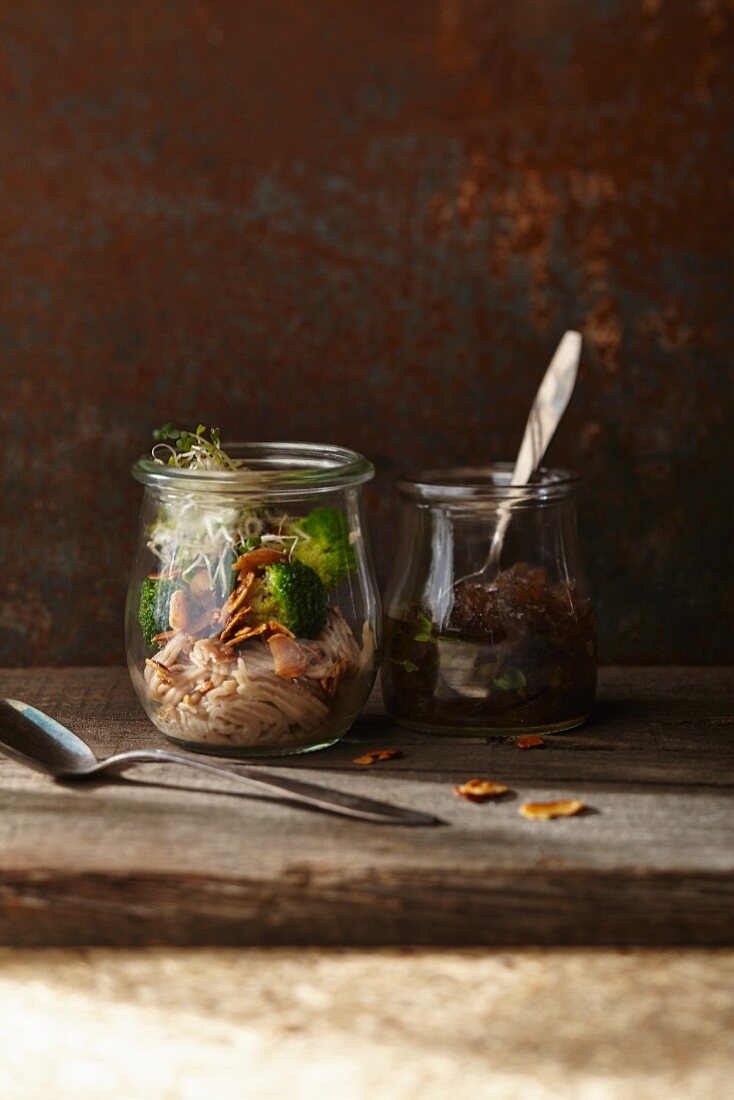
164	858
395	1023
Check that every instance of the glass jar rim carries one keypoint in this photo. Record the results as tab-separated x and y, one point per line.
279	468
464	484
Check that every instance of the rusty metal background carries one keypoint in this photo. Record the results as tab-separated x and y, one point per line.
368	222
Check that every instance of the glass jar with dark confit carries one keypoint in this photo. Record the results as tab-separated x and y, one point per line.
491	646
252	615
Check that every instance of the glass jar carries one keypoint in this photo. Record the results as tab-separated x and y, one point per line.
252	611
485	642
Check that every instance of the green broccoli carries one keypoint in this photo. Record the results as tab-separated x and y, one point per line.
153	608
291	593
327	550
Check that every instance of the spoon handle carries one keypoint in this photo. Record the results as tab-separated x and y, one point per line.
551	401
295	790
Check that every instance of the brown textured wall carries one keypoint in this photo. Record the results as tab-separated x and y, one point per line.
366	221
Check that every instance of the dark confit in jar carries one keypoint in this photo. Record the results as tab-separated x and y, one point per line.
511	649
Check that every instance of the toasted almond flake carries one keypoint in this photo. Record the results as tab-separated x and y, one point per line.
479	790
239	597
163	672
205	621
278	628
247	632
203	687
161	639
235	624
375	755
544	811
200	586
331	683
530	741
257	559
178	610
289	658
169	576
211	651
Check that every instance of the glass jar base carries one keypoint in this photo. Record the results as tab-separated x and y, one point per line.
491	731
250	752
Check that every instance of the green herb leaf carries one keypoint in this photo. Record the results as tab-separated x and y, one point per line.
409	666
427	633
512	679
250	543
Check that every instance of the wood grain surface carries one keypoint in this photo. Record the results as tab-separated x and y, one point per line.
390	1024
163	857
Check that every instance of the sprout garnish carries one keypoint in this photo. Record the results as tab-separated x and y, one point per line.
194	534
191	450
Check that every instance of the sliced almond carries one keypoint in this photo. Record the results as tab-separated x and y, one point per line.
257	559
479	790
544	811
235	624
245	633
289	658
205	621
163	671
239	597
178	610
278	628
331	683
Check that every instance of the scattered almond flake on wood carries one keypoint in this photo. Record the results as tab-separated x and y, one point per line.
544	811
530	741
479	790
375	755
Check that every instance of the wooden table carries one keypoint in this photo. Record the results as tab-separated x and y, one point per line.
157	857
389	1024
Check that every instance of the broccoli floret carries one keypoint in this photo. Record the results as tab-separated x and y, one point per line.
291	593
155	601
327	549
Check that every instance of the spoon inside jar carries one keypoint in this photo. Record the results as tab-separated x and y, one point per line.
551	401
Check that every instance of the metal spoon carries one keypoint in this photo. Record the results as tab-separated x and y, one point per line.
35	739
